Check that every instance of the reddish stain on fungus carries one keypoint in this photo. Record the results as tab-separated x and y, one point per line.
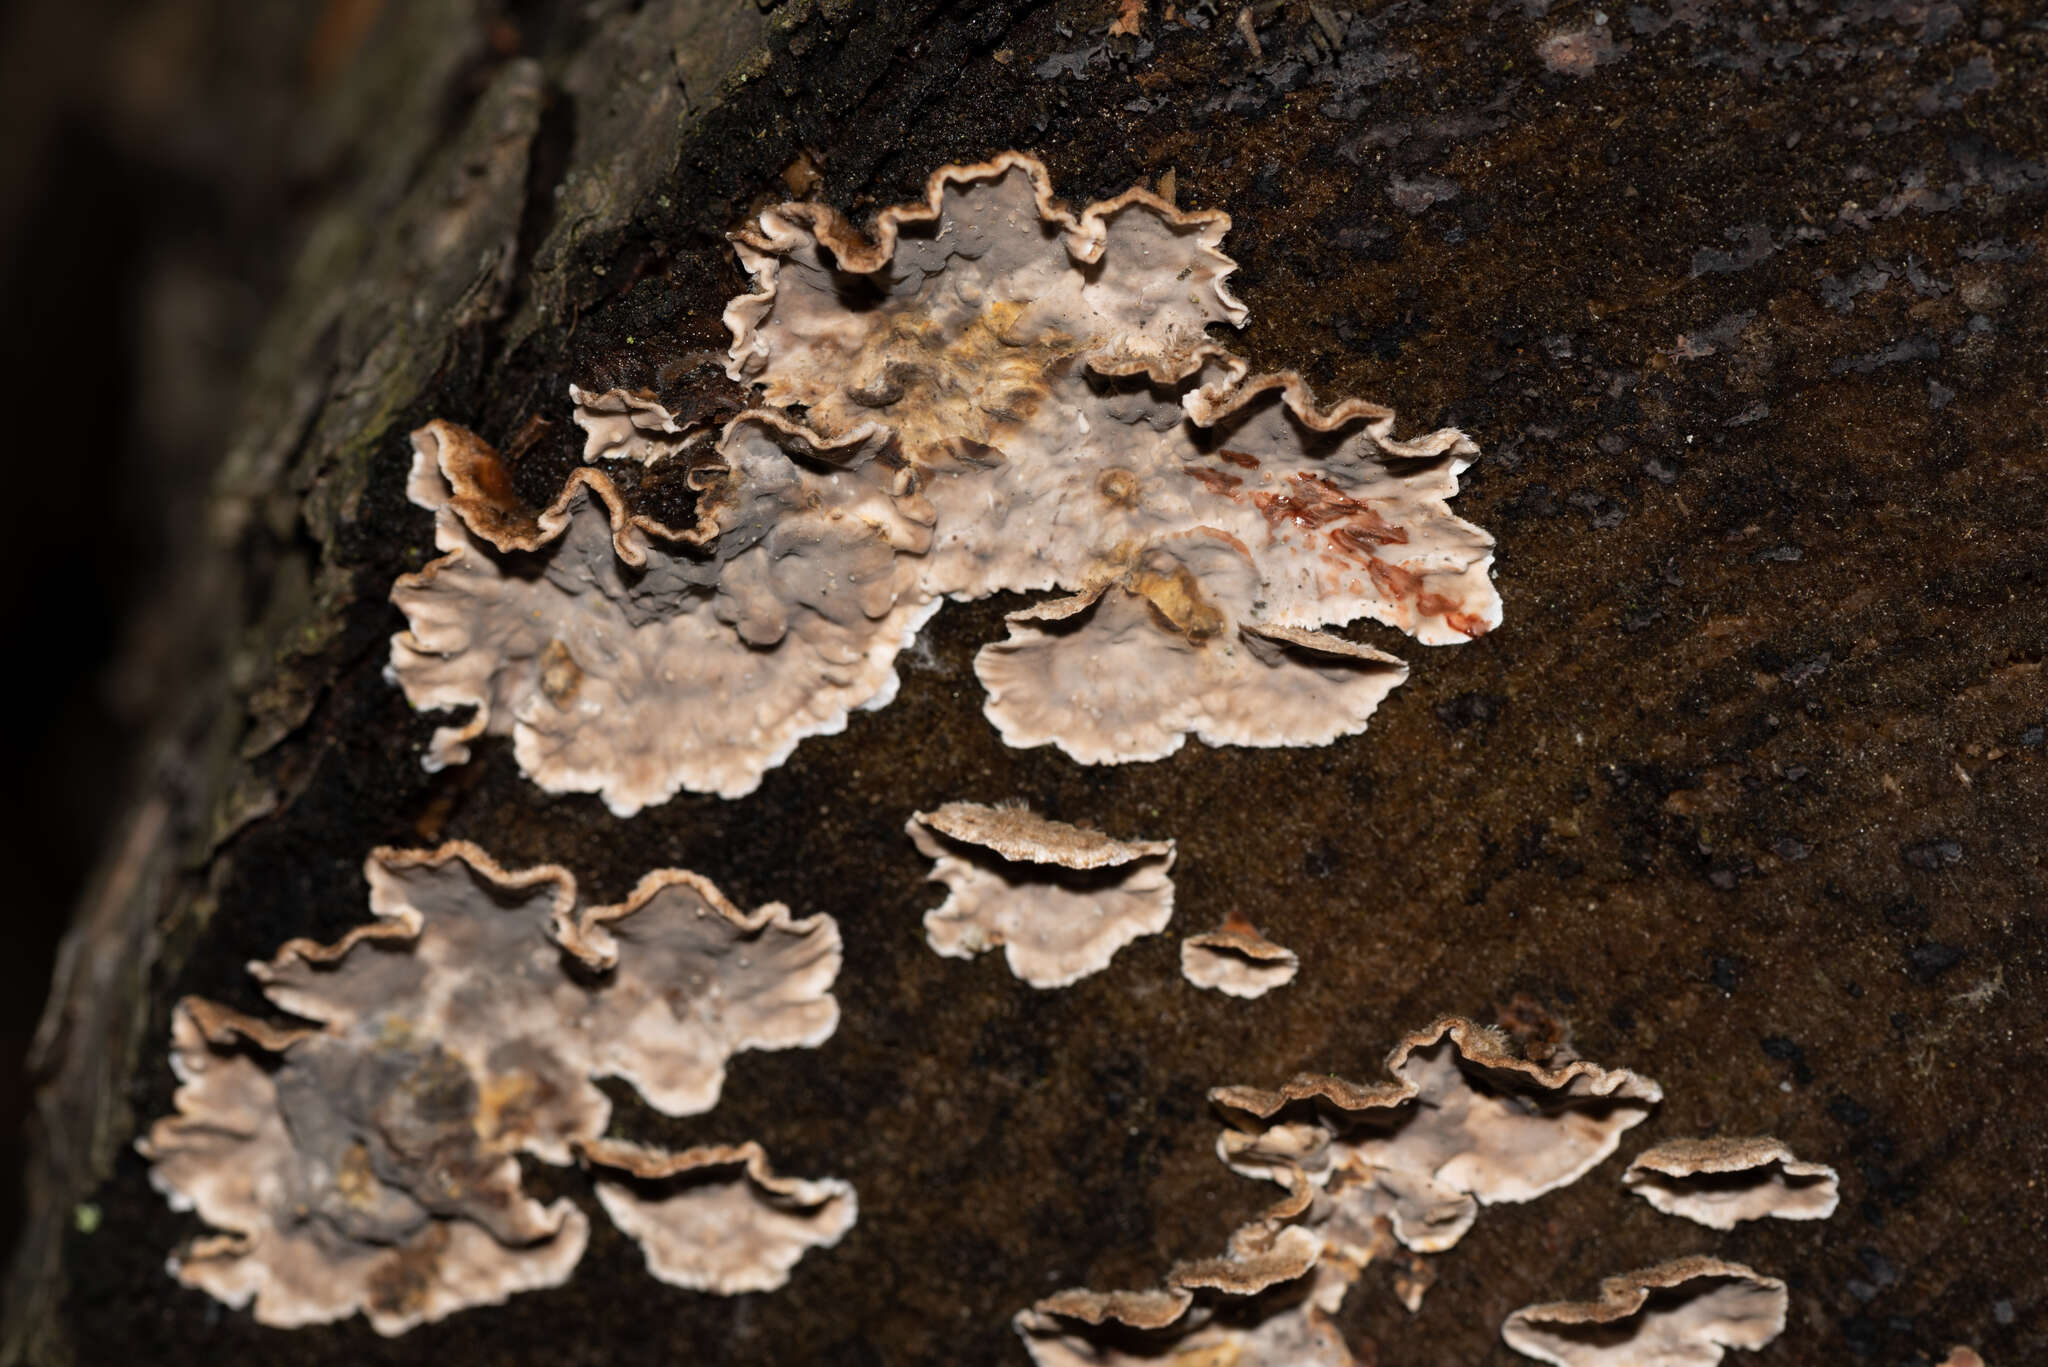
1215	480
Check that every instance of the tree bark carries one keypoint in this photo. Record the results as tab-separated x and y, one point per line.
1746	311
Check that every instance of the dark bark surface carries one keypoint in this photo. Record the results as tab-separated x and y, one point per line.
1745	306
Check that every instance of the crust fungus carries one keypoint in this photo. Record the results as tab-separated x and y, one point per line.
996	394
1060	900
630	659
629	424
1249	1308
375	1168
1049	377
718	1218
1464	1123
1236	960
1722	1182
1367	1169
1686	1313
339	1202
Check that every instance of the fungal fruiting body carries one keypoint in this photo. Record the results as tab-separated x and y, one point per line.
1685	1313
1059	900
629	424
375	1166
718	1218
331	1202
1367	1169
1722	1182
996	394
1236	960
1249	1308
1464	1123
630	659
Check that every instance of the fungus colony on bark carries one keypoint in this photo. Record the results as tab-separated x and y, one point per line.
369	1162
1389	1171
986	393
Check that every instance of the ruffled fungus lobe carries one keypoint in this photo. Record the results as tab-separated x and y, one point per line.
376	1168
1463	1123
1249	1308
971	302
1060	900
718	1218
1686	1313
1132	668
1722	1182
631	660
1236	960
996	394
628	424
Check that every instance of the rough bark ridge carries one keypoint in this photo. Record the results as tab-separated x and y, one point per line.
1746	309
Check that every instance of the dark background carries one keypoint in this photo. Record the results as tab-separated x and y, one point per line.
1745	305
148	192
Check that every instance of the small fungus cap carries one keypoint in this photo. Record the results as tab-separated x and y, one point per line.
1236	960
1685	1313
1248	1308
1722	1182
1060	899
718	1218
626	424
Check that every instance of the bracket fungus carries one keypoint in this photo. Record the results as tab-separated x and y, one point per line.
630	659
375	1167
1060	900
337	1203
1236	960
1366	1170
629	424
989	393
1249	1308
1685	1313
1464	1123
1722	1182
718	1218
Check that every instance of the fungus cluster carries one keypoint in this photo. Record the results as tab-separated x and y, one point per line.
370	1161
1059	900
1398	1169
989	393
627	658
1685	1313
1369	1169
